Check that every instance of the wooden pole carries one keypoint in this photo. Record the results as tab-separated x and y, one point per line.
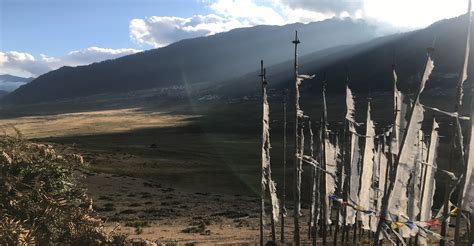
313	184
446	208
392	154
468	227
266	169
323	174
315	207
338	192
317	176
301	140
354	235
471	229
457	233
317	211
262	192
424	171
346	186
347	170
296	212
283	199
272	221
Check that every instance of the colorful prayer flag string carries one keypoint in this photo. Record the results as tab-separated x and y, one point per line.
396	224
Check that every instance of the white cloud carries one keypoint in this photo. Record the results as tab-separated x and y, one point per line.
303	15
94	54
21	63
400	13
327	7
25	64
159	31
247	12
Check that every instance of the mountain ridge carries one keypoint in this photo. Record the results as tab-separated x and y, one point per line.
10	82
200	60
369	65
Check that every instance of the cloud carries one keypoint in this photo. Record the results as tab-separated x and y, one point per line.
306	11
400	13
328	7
304	15
95	54
21	63
247	12
159	31
25	64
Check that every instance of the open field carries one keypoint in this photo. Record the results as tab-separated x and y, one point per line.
158	168
176	148
91	123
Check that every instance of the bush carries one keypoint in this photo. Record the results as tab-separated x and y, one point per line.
41	201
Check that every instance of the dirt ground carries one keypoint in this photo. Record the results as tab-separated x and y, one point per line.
149	210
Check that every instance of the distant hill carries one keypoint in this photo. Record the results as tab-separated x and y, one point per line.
205	60
3	93
9	82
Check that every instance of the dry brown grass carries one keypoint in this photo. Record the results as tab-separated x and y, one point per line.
91	123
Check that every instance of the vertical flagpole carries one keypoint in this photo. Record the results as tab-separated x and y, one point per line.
444	226
266	167
296	236
323	166
272	222
312	210
319	173
344	187
312	221
313	173
462	78
283	202
393	153
316	194
262	192
339	190
301	153
425	168
347	170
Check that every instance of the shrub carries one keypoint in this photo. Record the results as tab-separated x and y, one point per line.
41	201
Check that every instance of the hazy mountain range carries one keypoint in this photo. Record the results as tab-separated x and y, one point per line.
10	83
227	63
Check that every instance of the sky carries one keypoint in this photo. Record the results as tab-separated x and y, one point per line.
37	36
